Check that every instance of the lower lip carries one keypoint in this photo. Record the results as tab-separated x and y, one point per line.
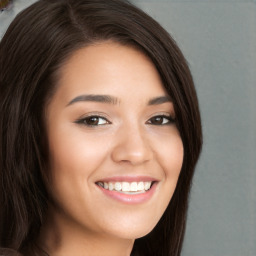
130	198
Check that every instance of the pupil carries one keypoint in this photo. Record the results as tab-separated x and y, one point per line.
93	120
158	120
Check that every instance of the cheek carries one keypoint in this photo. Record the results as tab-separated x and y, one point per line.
78	151
74	160
174	158
170	154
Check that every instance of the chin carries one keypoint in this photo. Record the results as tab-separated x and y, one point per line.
135	229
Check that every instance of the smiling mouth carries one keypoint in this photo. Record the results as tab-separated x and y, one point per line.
127	187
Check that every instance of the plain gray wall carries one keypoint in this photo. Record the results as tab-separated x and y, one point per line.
218	39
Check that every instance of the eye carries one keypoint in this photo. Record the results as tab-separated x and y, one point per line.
93	121
161	120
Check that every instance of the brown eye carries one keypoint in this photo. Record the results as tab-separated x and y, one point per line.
93	121
161	120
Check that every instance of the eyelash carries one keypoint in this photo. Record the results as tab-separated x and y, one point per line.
84	120
87	118
170	120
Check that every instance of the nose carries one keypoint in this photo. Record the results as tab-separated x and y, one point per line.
132	146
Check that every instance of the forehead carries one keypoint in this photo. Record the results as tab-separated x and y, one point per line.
109	68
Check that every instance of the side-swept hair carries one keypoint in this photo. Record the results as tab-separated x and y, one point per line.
35	46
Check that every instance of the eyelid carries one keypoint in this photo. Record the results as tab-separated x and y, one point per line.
168	116
81	119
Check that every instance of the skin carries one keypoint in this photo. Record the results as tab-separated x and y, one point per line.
128	140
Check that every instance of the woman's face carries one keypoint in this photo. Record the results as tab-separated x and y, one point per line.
115	151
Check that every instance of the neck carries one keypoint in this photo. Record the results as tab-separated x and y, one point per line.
60	237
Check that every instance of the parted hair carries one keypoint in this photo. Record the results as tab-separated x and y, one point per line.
35	46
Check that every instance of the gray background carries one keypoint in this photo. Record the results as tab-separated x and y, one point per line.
219	40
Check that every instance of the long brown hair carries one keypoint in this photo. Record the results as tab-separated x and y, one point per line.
32	51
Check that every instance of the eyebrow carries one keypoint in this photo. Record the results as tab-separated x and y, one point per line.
159	100
114	100
95	98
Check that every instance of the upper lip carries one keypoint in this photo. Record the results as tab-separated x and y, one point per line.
128	179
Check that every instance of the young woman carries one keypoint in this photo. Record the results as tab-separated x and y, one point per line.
100	132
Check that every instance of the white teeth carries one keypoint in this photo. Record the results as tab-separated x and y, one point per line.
139	187
118	186
105	185
125	186
110	186
147	185
134	187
